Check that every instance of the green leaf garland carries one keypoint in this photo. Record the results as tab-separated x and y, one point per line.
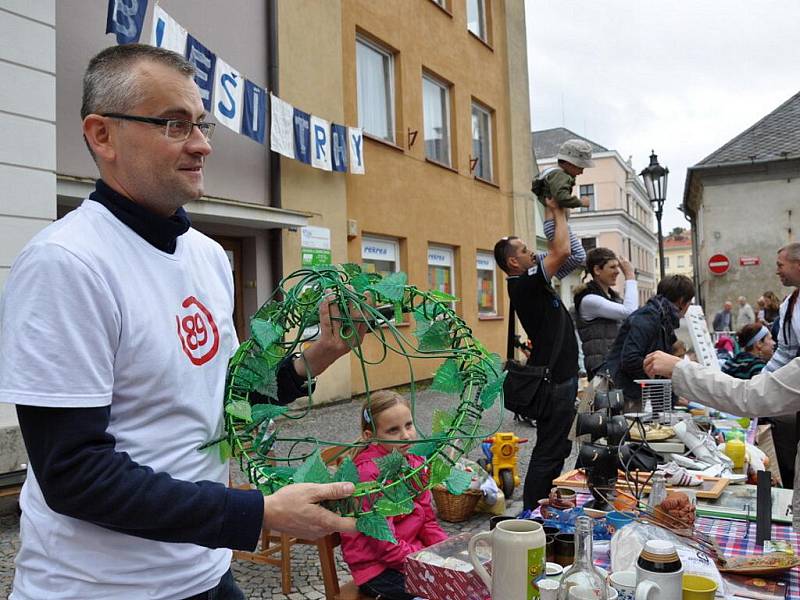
375	525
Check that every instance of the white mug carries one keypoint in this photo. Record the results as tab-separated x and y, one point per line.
548	589
625	584
518	548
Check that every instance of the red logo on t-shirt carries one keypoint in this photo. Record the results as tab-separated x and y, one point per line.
197	331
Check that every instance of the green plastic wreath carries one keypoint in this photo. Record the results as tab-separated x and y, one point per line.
289	319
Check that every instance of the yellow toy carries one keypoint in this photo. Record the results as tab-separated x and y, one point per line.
501	460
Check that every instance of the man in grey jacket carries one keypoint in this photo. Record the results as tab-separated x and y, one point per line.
766	394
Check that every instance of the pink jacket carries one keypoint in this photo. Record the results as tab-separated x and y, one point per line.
368	557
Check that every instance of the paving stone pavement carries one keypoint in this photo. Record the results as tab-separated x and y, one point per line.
338	423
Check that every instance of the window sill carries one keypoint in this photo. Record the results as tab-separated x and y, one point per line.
444	9
491	318
487	182
441	165
481	40
383	142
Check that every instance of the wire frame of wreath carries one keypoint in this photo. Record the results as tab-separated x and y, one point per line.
290	319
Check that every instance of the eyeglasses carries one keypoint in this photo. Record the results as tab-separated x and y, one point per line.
174	129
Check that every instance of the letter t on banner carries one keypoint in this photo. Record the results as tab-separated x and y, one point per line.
125	19
356	142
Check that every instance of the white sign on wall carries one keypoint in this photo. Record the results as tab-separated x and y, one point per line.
378	250
440	257
485	262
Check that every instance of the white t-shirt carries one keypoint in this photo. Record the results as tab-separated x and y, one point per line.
594	306
94	315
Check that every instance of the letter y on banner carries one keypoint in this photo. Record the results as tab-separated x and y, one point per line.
355	138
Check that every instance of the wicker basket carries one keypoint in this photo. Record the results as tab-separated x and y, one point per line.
452	508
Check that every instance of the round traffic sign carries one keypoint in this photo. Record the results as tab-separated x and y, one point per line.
719	264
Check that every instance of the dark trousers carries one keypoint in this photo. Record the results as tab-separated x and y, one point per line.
226	589
785	438
389	585
552	442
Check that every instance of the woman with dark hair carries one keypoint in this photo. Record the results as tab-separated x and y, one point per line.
757	347
599	308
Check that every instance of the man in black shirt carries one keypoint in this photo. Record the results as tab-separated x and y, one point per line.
547	323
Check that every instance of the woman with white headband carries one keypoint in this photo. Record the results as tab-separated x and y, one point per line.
757	346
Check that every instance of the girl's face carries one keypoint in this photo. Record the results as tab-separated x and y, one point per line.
765	348
395	424
608	273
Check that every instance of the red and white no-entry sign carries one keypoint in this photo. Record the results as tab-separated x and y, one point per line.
719	264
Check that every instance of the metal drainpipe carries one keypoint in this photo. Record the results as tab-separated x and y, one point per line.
274	236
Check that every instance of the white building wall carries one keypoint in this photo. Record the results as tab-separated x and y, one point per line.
27	152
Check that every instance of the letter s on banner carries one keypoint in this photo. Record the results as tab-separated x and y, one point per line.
228	88
356	141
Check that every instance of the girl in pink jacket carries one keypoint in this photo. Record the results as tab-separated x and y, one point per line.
377	566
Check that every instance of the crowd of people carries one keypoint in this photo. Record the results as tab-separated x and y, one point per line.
112	405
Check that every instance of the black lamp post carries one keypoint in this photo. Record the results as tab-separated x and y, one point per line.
655	182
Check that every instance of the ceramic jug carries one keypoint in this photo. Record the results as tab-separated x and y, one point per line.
518	548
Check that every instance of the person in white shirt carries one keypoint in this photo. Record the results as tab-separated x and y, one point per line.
745	316
599	308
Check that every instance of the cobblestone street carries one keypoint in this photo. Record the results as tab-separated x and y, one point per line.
340	423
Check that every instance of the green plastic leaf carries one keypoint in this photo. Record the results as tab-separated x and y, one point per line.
441	421
448	378
376	526
262	412
458	481
225	451
269	387
492	366
352	269
439	470
265	333
398	312
395	501
436	337
313	470
491	391
282	472
390	465
392	286
360	282
239	409
441	296
347	472
424	449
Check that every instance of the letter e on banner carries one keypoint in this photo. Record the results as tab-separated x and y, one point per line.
203	60
356	141
320	144
228	88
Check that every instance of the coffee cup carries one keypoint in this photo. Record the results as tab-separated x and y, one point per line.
698	587
548	589
625	584
564	549
518	548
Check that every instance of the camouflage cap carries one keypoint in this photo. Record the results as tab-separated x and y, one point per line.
576	152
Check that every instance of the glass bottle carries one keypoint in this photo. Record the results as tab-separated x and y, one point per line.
658	490
583	573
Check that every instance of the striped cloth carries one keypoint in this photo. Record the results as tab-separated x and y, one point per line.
576	259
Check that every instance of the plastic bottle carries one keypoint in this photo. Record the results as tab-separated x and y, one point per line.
735	448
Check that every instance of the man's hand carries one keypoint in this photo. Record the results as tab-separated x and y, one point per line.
627	267
586	202
660	363
331	345
295	510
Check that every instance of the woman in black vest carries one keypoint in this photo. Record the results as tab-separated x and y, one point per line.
599	308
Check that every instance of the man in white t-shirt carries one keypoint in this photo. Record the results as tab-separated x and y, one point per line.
116	329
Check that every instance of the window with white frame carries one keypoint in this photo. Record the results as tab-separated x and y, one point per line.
588	191
380	255
487	284
476	18
441	271
375	82
482	141
436	117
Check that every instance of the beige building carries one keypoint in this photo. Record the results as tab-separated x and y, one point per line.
677	254
620	216
447	155
742	201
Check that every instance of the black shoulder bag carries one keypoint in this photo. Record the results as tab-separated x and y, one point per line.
526	389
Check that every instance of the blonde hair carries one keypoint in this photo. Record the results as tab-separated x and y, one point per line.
375	404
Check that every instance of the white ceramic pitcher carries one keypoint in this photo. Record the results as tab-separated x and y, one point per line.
518	548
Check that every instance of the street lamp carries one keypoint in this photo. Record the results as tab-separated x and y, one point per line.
655	182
